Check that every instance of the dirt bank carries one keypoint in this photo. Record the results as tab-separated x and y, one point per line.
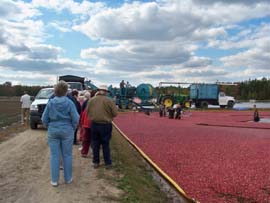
25	175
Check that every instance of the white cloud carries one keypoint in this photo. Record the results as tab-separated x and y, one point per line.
141	21
83	8
151	36
140	56
140	41
247	2
24	32
256	56
61	26
253	59
197	62
16	10
23	49
28	78
211	33
167	21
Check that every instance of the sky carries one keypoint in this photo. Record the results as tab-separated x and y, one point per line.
136	41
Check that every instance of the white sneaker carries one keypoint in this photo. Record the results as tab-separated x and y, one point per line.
80	148
70	181
54	184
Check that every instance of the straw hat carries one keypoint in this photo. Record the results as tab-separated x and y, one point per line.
103	87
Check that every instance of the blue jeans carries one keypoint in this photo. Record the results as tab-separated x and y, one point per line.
101	134
61	146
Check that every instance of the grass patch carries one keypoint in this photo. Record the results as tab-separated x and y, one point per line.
131	175
10	112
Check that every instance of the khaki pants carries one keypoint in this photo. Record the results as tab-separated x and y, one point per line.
25	115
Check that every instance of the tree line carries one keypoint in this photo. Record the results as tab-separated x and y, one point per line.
18	90
250	89
245	90
254	89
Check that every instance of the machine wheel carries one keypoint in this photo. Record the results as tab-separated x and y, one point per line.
168	101
204	104
187	104
230	104
33	125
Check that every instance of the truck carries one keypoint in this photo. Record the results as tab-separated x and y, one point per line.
204	94
78	83
74	82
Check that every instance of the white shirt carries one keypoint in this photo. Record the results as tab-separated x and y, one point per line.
26	101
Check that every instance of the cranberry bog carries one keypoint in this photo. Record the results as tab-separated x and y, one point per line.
214	156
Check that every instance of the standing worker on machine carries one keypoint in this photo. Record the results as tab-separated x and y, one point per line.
128	84
122	87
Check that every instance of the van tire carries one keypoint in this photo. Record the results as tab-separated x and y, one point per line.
33	125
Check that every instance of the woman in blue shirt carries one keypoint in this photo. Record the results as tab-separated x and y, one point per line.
61	118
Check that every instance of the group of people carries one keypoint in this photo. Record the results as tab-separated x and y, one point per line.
173	113
123	87
64	114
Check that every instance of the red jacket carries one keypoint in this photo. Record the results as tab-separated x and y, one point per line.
85	121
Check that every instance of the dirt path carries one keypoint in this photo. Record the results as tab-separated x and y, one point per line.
25	175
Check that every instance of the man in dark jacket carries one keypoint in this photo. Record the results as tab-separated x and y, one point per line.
101	110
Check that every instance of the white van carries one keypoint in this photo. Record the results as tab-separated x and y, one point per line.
38	105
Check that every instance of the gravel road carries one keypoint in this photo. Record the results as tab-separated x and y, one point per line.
25	175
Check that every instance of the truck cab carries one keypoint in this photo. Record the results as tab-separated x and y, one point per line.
225	101
38	105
